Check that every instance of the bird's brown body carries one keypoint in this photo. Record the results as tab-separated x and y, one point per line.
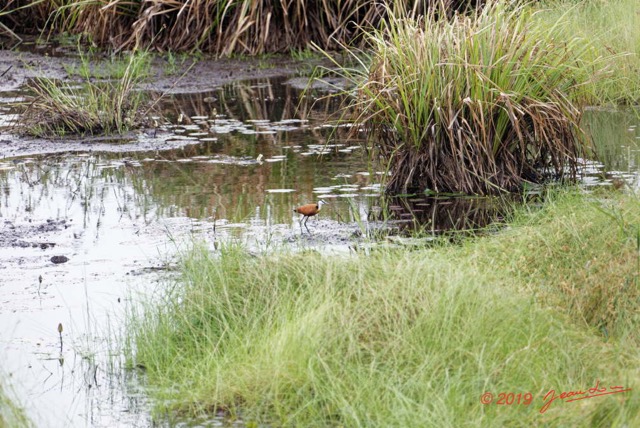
308	210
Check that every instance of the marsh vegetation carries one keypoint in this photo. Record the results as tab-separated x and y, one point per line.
222	27
109	105
484	101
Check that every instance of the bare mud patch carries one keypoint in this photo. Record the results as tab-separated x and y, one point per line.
13	146
31	235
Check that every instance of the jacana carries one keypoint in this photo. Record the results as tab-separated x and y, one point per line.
309	210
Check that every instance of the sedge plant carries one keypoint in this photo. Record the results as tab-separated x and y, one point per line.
480	103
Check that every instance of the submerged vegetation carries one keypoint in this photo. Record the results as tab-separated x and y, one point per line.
104	106
411	338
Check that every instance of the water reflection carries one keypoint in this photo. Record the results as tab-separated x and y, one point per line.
616	136
52	207
438	214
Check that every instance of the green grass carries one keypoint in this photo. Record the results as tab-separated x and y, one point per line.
613	28
11	415
178	62
92	106
410	338
91	66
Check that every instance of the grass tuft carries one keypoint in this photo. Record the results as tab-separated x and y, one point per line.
12	415
93	107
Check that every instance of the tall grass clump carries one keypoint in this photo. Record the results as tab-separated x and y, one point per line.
408	338
480	103
613	29
92	106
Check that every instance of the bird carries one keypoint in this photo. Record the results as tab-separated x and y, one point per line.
309	210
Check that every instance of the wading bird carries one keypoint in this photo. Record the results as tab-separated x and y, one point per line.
309	210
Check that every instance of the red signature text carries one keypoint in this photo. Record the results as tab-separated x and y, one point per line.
507	398
569	396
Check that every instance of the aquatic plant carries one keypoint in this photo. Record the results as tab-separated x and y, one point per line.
89	107
409	338
480	103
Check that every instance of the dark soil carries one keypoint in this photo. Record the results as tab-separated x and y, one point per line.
30	235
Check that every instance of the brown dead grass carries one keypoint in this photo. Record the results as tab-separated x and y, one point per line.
224	27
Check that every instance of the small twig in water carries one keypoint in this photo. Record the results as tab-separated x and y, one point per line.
6	71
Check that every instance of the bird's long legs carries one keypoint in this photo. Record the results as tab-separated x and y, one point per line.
303	221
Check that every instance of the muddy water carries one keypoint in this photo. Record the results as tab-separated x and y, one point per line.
231	165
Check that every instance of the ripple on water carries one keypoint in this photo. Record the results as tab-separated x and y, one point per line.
280	190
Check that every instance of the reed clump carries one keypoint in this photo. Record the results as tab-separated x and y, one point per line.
479	103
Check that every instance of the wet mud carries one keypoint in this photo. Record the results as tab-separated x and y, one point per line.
30	235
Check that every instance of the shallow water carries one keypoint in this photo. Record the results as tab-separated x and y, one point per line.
616	137
121	219
244	156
